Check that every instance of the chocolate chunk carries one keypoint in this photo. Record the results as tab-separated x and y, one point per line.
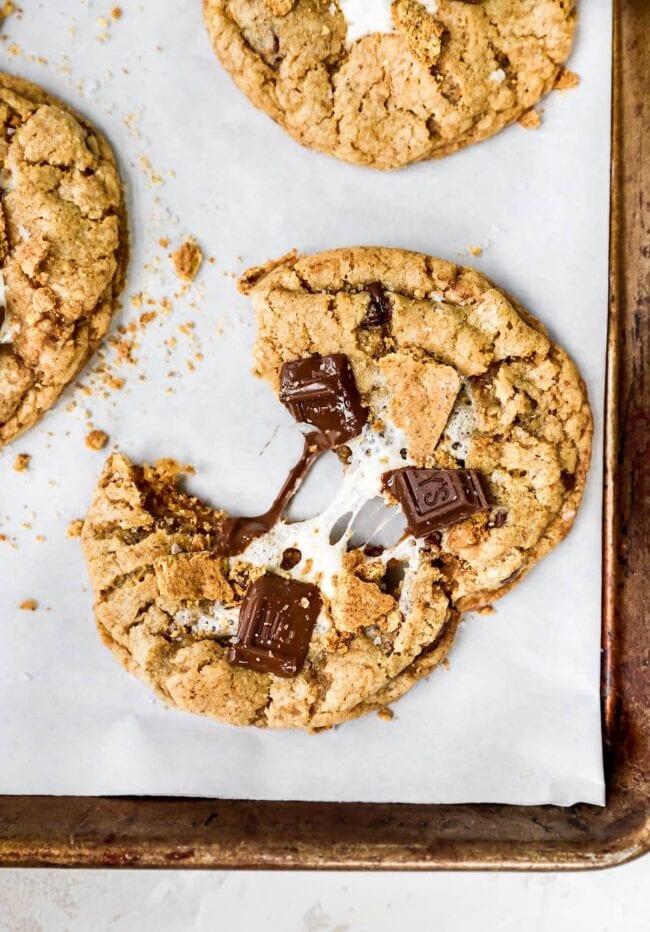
276	622
500	519
435	498
434	539
321	390
568	480
380	308
290	558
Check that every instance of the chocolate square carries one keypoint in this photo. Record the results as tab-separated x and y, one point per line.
436	498
320	390
276	622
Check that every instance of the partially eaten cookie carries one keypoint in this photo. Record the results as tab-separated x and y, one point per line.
466	438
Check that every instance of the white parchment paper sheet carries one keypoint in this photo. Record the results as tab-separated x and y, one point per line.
516	717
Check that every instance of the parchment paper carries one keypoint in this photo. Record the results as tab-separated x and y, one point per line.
516	717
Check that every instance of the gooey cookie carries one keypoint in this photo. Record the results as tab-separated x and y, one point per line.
63	249
451	410
384	83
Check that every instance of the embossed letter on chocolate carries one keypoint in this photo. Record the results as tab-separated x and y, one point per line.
435	498
276	622
320	390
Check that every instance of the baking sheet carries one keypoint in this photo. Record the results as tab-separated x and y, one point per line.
516	718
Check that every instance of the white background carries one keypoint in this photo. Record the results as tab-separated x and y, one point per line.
165	901
517	716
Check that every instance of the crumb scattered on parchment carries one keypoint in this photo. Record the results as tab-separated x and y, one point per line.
187	260
154	178
21	463
8	7
28	605
566	80
385	713
97	439
116	12
475	250
75	528
530	119
132	123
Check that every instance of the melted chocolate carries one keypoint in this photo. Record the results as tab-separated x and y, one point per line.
318	390
380	310
435	498
276	623
321	391
236	534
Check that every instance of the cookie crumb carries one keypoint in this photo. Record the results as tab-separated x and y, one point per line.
153	176
421	32
475	250
75	528
280	7
116	12
566	80
187	260
28	605
385	713
530	119
21	463
97	439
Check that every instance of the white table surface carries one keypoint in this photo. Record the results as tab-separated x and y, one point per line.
615	900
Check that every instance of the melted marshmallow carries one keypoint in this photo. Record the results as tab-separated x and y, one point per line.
367	16
373	454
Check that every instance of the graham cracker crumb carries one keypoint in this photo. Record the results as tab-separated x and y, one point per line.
97	439
566	80
187	260
28	605
385	713
410	378
75	528
280	7
421	32
154	178
530	119
21	463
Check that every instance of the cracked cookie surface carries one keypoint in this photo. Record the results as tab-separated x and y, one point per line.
454	374
452	73
63	249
